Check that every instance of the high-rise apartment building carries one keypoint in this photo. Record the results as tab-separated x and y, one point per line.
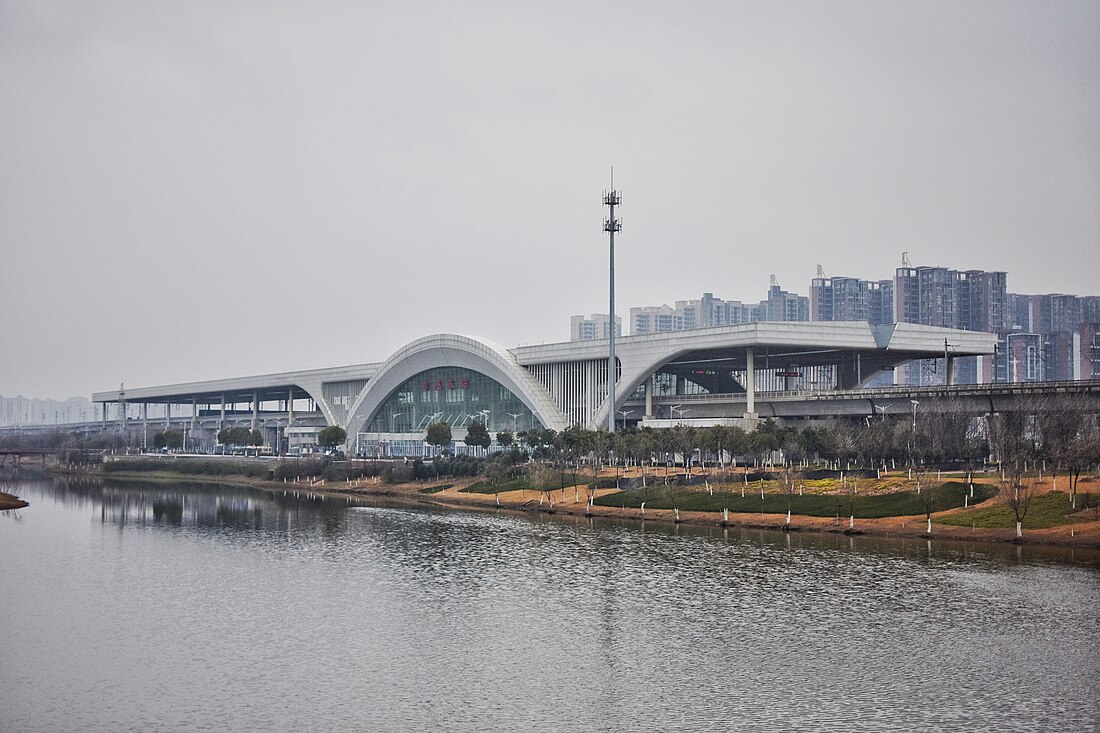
594	328
851	299
782	306
655	319
973	300
982	300
926	295
1087	361
1059	329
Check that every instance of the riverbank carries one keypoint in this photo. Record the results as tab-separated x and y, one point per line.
567	501
7	501
572	500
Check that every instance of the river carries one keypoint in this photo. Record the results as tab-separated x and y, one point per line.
183	607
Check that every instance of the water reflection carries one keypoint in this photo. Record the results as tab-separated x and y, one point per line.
313	613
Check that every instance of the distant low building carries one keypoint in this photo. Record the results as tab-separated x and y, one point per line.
709	311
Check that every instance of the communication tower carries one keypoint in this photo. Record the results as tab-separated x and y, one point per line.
611	199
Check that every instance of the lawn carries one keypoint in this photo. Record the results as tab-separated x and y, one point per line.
1046	510
864	506
551	482
434	489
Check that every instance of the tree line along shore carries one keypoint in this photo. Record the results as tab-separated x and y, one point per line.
989	504
1033	470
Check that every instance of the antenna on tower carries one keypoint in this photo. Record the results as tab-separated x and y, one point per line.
820	271
774	281
905	259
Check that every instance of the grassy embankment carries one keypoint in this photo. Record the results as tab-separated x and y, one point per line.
551	481
875	499
1046	511
434	489
865	505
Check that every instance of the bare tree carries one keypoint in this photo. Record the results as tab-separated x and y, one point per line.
1018	489
845	442
791	478
1011	438
1084	452
1069	437
684	440
540	477
928	494
851	488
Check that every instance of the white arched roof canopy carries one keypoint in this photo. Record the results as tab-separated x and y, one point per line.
443	350
632	373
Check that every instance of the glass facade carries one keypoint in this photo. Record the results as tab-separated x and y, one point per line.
455	396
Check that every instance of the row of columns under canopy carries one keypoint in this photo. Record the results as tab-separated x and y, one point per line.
255	402
750	382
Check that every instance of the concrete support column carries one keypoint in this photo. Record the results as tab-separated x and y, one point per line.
290	408
194	413
950	370
221	423
167	415
144	425
750	383
649	397
255	409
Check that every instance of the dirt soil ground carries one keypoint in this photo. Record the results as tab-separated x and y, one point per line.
7	501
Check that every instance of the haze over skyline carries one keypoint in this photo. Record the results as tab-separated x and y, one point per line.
201	190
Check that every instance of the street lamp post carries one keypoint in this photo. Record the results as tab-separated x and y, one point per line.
393	429
624	413
485	423
915	403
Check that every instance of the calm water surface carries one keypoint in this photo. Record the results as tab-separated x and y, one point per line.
180	607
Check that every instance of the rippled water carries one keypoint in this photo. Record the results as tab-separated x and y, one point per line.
181	607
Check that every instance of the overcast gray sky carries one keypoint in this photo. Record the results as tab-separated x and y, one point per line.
192	190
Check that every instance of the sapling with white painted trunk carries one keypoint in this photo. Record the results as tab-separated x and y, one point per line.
1018	490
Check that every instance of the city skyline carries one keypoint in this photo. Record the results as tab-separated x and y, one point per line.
581	321
193	189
